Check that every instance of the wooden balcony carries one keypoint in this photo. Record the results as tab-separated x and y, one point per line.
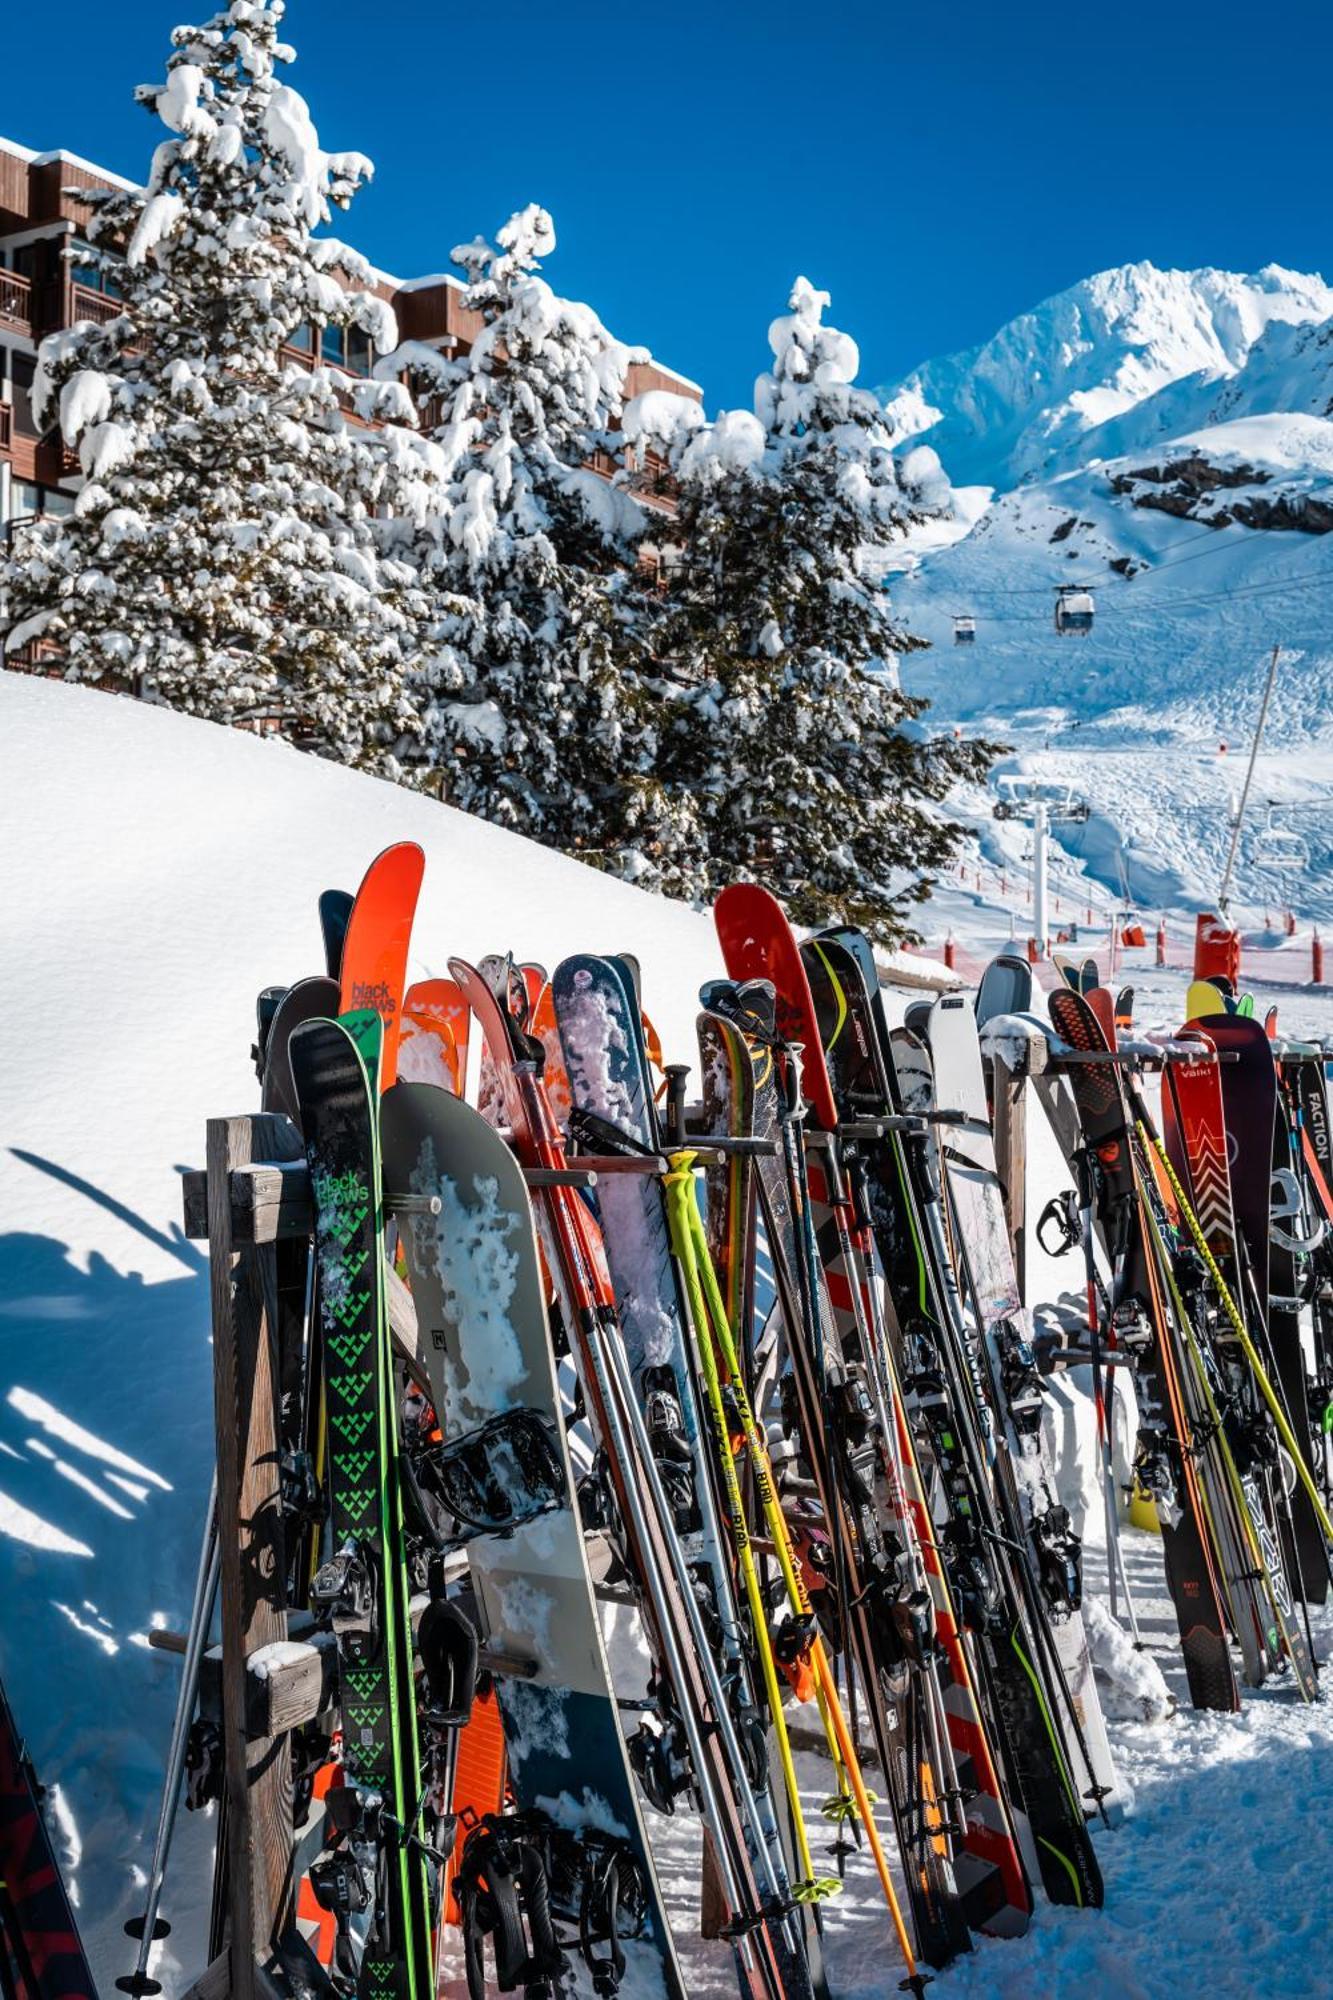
85	303
15	304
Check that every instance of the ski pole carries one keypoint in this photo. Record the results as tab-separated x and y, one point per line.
757	1450
149	1928
679	1191
1248	1347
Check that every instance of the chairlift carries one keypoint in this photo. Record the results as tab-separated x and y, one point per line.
1279	849
1075	610
964	631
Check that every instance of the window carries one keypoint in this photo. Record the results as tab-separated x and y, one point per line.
22	368
28	499
331	345
85	270
303	337
360	353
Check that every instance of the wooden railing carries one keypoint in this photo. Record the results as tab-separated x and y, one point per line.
85	303
15	302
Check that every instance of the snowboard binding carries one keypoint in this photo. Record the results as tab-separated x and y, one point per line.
499	1477
520	1876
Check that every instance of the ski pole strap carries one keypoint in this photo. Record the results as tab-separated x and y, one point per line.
1059	1221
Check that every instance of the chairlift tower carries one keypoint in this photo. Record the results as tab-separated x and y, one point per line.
1040	811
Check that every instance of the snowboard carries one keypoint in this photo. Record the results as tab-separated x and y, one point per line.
1006	987
502	1469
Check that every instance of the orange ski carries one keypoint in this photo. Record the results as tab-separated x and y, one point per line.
433	1048
379	932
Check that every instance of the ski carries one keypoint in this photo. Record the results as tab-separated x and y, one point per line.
696	1719
984	1249
374	1864
41	1957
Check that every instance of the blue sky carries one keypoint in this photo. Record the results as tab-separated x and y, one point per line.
937	169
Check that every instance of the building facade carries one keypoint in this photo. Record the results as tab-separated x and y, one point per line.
45	285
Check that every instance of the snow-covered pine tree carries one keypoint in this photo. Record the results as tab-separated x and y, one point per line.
535	714
234	546
804	759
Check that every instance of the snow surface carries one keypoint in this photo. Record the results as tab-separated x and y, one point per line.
160	872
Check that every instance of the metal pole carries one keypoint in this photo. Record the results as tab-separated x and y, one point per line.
1039	917
149	1928
1223	895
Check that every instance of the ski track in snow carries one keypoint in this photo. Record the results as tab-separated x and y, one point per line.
148	949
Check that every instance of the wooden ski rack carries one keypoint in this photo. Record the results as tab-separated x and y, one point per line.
274	1670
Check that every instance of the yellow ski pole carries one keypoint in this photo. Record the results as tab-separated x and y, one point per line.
684	1207
1248	1347
680	1179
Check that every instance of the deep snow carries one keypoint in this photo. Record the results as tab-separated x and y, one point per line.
159	872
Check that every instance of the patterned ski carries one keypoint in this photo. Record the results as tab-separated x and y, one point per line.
362	1588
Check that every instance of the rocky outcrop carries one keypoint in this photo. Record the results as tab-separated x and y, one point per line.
1189	487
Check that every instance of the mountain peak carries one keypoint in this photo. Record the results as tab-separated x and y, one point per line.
1029	402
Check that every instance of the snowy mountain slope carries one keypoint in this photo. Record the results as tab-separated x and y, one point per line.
159	872
1066	383
1288	369
1187	615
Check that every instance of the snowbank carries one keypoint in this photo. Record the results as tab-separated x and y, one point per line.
160	871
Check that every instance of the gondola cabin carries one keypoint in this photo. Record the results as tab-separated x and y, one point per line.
964	631
1074	611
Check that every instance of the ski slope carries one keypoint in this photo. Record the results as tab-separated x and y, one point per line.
160	871
1134	714
1151	436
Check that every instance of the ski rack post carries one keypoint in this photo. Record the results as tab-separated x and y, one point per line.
254	1860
